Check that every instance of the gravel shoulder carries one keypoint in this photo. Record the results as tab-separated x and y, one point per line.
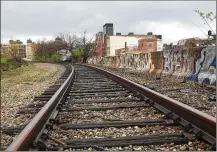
187	92
20	86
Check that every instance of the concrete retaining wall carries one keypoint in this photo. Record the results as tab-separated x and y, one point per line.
196	64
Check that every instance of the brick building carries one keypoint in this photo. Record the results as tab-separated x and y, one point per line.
146	43
99	44
108	44
151	43
100	39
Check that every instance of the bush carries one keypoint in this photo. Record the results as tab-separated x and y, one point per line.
4	60
10	64
52	58
42	59
55	58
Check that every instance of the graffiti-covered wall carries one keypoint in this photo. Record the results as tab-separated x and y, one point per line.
196	64
204	70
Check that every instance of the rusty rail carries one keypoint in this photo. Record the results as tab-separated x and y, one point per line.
34	129
205	123
200	120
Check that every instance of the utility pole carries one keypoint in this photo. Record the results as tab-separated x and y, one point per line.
125	46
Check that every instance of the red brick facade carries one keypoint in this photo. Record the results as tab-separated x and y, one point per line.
99	44
147	45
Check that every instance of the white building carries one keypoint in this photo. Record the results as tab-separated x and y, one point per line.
29	50
115	42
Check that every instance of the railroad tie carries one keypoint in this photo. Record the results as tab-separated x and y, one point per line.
117	124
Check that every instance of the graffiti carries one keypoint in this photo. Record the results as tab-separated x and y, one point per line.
205	68
176	62
198	65
167	60
185	64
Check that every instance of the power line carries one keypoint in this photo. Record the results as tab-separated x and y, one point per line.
185	38
198	26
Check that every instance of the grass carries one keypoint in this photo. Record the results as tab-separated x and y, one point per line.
27	74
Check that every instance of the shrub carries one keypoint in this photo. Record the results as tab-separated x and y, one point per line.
52	58
10	64
55	58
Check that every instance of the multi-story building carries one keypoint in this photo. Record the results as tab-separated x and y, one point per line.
100	39
150	43
29	50
146	43
15	48
108	44
108	29
99	44
21	49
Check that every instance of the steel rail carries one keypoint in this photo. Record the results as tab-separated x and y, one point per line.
33	130
203	121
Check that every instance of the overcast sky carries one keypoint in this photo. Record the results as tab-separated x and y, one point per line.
38	19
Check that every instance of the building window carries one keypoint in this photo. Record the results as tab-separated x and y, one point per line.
150	44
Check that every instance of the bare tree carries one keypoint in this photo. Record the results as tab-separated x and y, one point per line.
45	49
88	46
74	42
71	40
207	18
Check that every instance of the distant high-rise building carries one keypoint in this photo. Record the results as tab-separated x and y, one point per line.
108	29
29	50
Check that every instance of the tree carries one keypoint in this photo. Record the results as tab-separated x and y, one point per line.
75	42
88	46
77	54
11	55
207	18
45	49
71	40
12	51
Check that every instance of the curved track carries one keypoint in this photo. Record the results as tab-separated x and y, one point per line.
91	100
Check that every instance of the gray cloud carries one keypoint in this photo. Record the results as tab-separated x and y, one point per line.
38	18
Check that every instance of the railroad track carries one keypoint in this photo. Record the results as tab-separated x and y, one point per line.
27	112
97	110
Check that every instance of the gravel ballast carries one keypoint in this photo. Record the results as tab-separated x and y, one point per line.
19	87
187	92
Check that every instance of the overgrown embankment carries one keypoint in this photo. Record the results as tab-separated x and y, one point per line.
8	64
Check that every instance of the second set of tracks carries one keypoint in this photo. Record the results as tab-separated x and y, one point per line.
96	110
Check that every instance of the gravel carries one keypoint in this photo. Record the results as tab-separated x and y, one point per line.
113	132
19	89
187	92
107	104
60	136
87	116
